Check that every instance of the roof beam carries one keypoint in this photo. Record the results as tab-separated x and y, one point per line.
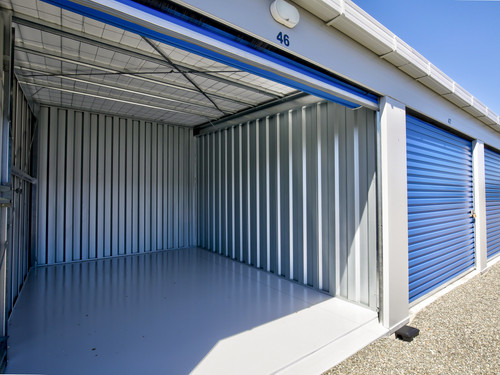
122	89
295	100
94	65
167	59
51	87
66	32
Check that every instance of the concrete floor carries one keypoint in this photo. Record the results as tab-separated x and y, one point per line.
177	312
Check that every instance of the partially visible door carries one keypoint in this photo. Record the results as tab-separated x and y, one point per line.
492	177
440	204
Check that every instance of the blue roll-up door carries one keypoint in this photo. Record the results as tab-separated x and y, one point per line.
492	177
440	201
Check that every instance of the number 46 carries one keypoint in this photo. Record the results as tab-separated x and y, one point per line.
283	39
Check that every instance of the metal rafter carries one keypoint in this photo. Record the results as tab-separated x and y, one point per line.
171	71
41	74
51	87
65	32
167	59
95	65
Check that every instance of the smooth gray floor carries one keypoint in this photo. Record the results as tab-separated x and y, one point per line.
158	313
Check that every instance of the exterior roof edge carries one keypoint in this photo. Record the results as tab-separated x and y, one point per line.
354	22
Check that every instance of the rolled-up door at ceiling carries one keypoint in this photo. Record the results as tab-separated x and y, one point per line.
183	29
492	177
440	201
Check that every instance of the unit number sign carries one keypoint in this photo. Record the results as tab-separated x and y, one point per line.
283	38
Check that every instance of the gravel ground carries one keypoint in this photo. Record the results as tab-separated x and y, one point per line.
459	334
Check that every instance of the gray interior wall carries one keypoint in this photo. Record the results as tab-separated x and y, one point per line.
111	186
294	193
19	248
5	143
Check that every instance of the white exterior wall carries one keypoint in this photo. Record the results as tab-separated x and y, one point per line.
325	46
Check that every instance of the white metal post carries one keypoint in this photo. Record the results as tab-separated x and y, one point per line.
394	308
479	204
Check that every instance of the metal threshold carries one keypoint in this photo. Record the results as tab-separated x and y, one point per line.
177	312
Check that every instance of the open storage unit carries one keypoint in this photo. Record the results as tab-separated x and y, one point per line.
137	146
294	193
111	186
184	190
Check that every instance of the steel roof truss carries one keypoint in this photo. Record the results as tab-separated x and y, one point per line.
65	32
201	109
95	65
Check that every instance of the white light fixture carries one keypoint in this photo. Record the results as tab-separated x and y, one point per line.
285	13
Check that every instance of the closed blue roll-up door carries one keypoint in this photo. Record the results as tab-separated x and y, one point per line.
440	201
492	176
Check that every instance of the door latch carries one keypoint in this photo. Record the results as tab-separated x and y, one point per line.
472	214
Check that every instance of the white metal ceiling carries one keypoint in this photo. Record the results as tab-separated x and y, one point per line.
64	59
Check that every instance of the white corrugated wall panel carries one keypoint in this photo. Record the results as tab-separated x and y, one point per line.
19	258
290	178
111	186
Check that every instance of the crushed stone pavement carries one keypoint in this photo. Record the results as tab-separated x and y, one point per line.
459	334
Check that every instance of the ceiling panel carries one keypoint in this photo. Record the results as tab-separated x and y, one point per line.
64	59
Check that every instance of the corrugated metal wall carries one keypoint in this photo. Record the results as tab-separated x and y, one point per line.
492	176
19	249
112	186
5	168
294	193
440	201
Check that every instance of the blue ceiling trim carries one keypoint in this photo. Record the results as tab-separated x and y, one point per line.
226	38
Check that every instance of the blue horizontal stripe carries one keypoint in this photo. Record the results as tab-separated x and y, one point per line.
228	39
432	265
422	222
440	198
432	230
449	274
423	244
418	147
492	178
427	130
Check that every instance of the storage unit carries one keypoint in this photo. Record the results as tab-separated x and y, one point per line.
192	187
193	152
22	235
440	207
492	177
294	193
111	186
